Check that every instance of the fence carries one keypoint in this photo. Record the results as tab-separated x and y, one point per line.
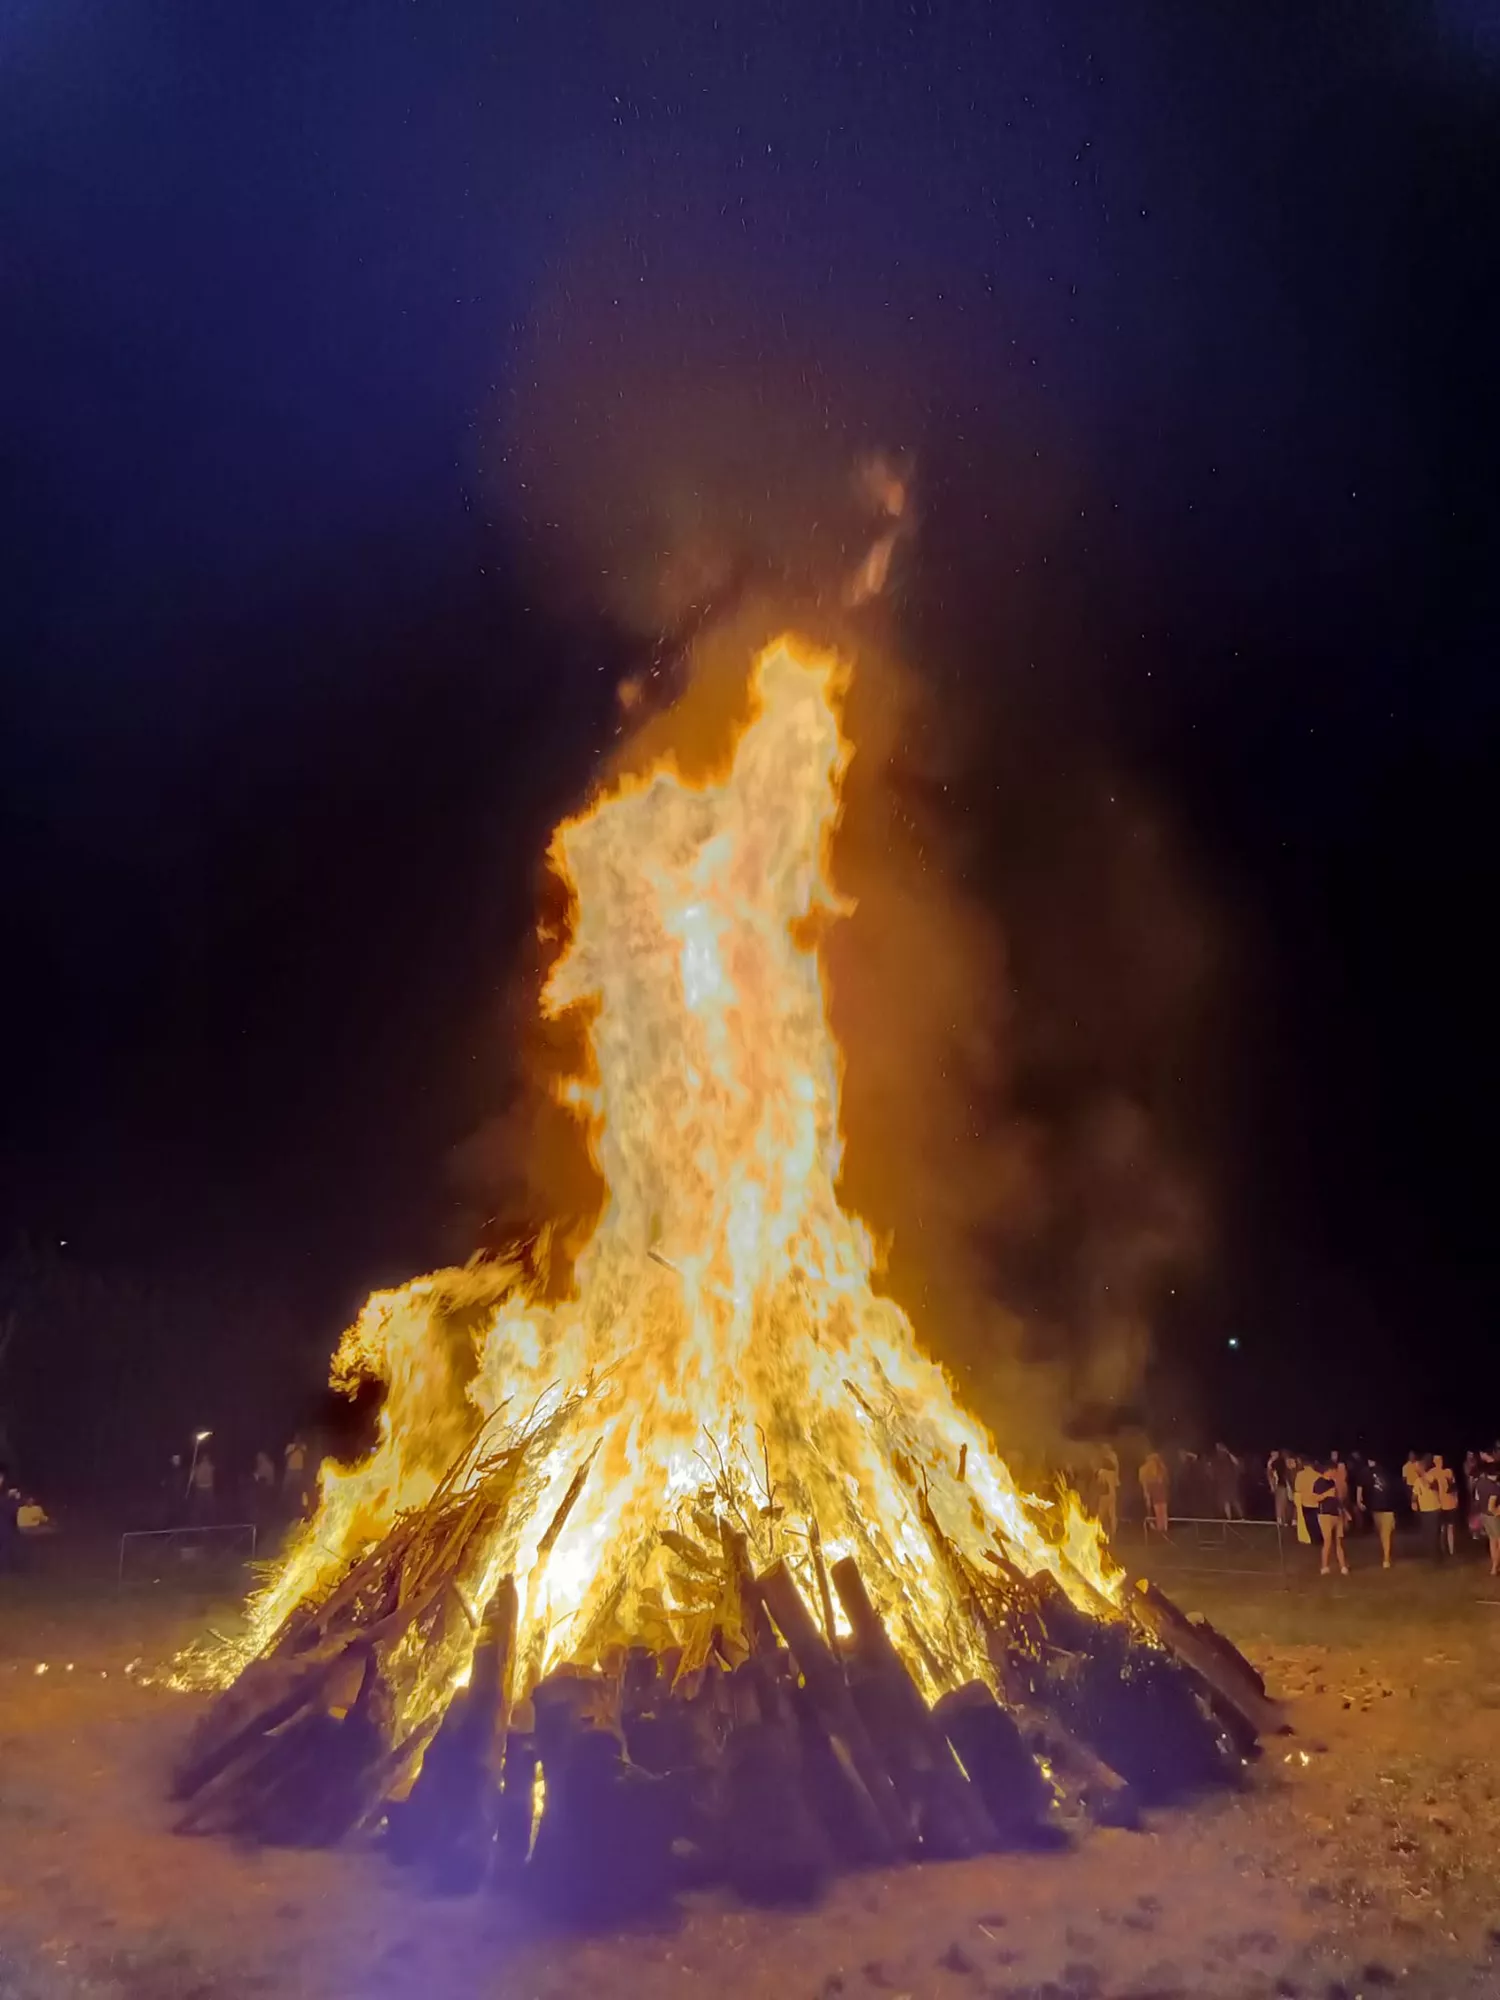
1206	1545
197	1554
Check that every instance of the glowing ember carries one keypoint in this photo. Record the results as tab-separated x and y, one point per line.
724	1354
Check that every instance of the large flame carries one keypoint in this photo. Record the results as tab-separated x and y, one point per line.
724	1350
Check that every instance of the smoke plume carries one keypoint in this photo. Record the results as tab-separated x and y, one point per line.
1020	987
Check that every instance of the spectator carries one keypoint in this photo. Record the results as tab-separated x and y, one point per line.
1447	1491
1430	1505
1155	1490
201	1488
294	1477
1107	1481
1380	1493
263	1484
1330	1518
10	1522
1279	1481
1486	1490
1357	1507
1227	1475
1306	1502
1413	1473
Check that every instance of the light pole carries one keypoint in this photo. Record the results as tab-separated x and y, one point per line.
199	1438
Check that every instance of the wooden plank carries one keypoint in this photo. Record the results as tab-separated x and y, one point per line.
830	1695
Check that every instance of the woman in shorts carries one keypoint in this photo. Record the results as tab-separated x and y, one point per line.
1330	1518
1486	1491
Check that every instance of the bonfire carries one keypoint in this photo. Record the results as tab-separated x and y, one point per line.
700	1569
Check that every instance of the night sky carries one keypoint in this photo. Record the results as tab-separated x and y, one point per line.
374	379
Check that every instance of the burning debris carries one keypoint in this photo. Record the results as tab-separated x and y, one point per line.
700	1571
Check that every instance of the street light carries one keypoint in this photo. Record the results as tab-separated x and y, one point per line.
199	1438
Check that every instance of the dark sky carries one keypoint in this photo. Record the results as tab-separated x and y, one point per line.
364	366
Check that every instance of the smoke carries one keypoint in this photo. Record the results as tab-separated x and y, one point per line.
1021	989
1010	992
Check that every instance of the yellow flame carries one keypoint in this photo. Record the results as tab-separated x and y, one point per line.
735	1358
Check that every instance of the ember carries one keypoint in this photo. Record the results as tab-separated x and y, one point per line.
702	1570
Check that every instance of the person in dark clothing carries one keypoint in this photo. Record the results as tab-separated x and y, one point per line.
1279	1483
1446	1481
1330	1518
10	1521
1380	1493
1227	1477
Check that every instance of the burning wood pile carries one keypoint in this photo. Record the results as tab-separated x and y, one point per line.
700	1572
781	1738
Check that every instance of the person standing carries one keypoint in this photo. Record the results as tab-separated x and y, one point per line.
1331	1513
1358	1510
1380	1493
1279	1481
1306	1501
294	1477
1413	1472
1469	1476
1155	1490
1486	1491
1227	1483
1447	1490
1107	1486
10	1522
201	1489
263	1488
1430	1505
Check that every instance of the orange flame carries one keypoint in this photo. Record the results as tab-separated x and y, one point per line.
724	1346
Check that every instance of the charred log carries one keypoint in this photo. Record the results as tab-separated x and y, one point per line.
999	1765
949	1816
1226	1678
829	1694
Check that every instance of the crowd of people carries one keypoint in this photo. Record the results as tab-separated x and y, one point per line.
196	1491
1323	1498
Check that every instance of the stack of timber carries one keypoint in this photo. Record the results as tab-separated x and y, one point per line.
768	1739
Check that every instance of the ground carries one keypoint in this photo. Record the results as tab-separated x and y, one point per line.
1360	1859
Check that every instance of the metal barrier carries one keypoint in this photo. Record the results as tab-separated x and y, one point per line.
192	1544
1214	1545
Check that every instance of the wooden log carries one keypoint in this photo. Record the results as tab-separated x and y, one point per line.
1061	1621
1233	1658
447	1822
998	1763
820	1570
260	1702
1230	1690
603	1847
555	1527
463	1859
1081	1773
829	1693
950	1817
515	1810
1134	1705
772	1816
692	1553
753	1616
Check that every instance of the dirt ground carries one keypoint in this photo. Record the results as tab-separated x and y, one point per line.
1360	1859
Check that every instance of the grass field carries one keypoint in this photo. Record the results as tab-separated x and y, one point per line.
1360	1858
